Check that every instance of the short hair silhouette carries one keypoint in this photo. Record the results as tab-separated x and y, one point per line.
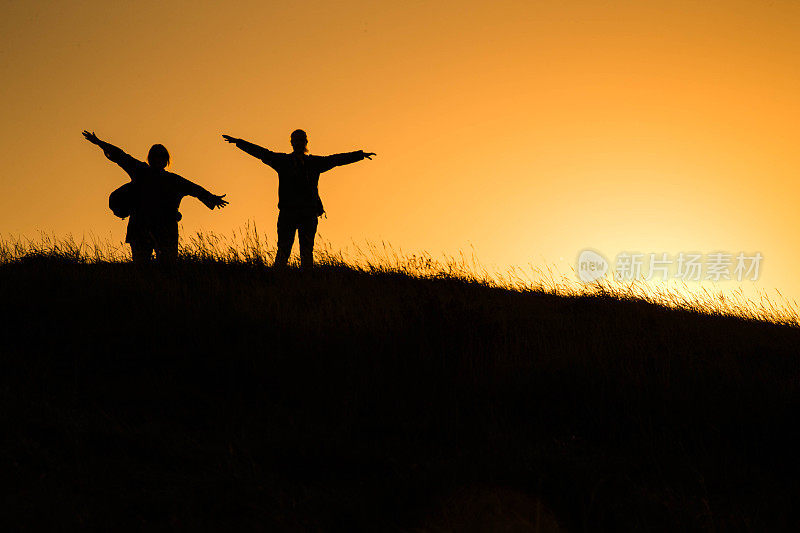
158	156
299	141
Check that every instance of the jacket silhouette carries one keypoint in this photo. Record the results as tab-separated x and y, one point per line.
298	191
155	197
298	174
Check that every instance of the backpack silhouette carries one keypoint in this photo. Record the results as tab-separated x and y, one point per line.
121	200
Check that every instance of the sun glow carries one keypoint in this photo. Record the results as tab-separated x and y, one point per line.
527	131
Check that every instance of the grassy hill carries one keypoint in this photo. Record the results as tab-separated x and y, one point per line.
222	394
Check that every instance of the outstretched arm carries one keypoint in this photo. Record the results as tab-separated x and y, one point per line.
108	148
336	160
215	201
188	188
253	149
113	153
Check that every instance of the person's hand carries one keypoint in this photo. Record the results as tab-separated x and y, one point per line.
368	155
216	201
230	139
90	136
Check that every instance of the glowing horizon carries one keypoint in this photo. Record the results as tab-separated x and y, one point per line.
529	132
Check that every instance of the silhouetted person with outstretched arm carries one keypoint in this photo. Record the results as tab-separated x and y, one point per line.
299	203
156	197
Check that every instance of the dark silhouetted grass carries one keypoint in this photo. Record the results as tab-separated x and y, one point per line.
413	395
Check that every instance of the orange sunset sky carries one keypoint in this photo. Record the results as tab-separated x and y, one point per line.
529	130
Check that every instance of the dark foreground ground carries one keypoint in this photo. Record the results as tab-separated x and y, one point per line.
227	396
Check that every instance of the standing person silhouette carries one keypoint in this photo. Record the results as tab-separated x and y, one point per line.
299	203
156	197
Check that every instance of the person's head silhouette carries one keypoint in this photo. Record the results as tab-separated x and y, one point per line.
299	141
158	157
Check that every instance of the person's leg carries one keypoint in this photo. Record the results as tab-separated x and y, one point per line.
287	226
167	253
166	245
142	251
307	230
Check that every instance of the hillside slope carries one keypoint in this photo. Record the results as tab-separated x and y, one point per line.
231	395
